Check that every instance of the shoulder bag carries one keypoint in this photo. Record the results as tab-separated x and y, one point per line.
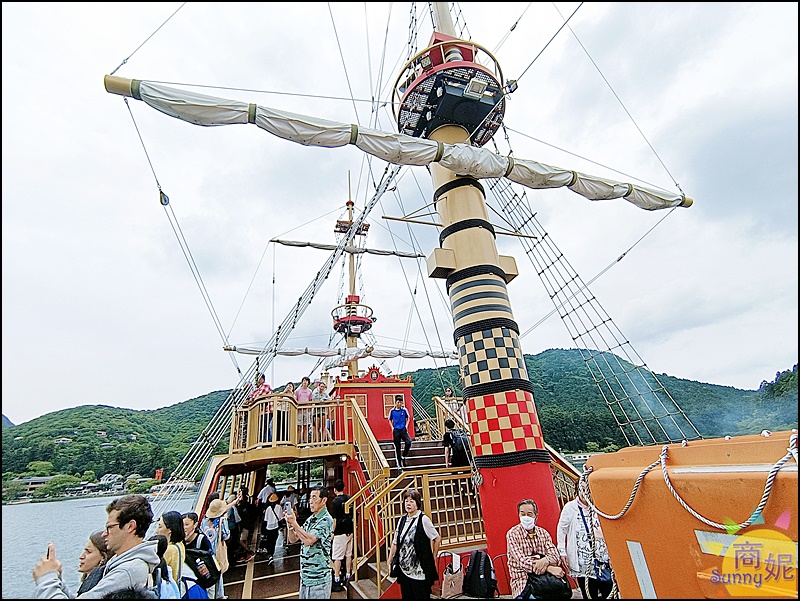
222	550
600	569
281	521
394	569
452	579
546	586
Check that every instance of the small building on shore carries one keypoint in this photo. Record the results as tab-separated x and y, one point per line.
31	483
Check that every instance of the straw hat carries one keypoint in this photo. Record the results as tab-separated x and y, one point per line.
272	498
216	508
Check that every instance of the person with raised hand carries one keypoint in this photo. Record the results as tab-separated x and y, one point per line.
133	559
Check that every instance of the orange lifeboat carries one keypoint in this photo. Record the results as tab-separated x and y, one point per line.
706	519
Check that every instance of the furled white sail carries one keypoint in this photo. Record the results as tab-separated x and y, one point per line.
351	249
346	355
395	148
353	354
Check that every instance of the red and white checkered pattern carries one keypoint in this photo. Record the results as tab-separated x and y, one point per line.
504	422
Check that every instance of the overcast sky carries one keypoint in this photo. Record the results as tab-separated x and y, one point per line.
100	306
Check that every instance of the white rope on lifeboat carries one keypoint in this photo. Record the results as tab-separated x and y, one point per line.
791	452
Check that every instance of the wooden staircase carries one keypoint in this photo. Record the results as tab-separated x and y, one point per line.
452	509
424	454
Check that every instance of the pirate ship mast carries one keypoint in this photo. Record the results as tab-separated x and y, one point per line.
450	100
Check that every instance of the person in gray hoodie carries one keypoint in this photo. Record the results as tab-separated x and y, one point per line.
134	558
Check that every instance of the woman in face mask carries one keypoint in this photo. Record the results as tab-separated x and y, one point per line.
530	549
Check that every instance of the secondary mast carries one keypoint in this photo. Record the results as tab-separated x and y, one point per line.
353	318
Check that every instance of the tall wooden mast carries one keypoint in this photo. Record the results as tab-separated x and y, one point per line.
447	95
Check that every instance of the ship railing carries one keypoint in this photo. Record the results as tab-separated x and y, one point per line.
373	461
453	408
437	54
450	501
278	420
565	476
368	452
425	426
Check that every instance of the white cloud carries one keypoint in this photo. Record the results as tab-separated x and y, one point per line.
99	305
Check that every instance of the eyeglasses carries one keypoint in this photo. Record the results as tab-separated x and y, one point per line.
109	526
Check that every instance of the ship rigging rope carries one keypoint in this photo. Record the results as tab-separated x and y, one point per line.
585	285
624	108
548	43
375	94
506	91
148	38
415	245
182	242
344	63
511	29
258	267
791	452
564	150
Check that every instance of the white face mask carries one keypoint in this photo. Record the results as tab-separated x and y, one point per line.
527	522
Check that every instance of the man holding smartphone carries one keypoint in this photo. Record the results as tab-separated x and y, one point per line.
315	554
133	559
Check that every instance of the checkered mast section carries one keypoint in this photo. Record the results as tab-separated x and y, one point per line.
504	421
491	356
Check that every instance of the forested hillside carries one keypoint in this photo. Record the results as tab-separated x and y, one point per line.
573	414
106	439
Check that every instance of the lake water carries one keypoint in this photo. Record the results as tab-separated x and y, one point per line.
29	527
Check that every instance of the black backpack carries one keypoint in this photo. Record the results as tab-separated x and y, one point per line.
204	565
460	443
479	579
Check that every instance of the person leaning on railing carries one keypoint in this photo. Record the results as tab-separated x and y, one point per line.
282	418
262	389
303	396
320	395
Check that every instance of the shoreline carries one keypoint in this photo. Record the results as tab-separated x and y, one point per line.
64	498
149	496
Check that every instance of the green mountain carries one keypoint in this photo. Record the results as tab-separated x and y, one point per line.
573	414
107	439
7	423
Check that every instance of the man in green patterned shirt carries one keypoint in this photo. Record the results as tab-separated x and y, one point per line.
315	555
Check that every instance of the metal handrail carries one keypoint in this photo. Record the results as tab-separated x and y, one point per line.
424	422
445	411
438	486
362	430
